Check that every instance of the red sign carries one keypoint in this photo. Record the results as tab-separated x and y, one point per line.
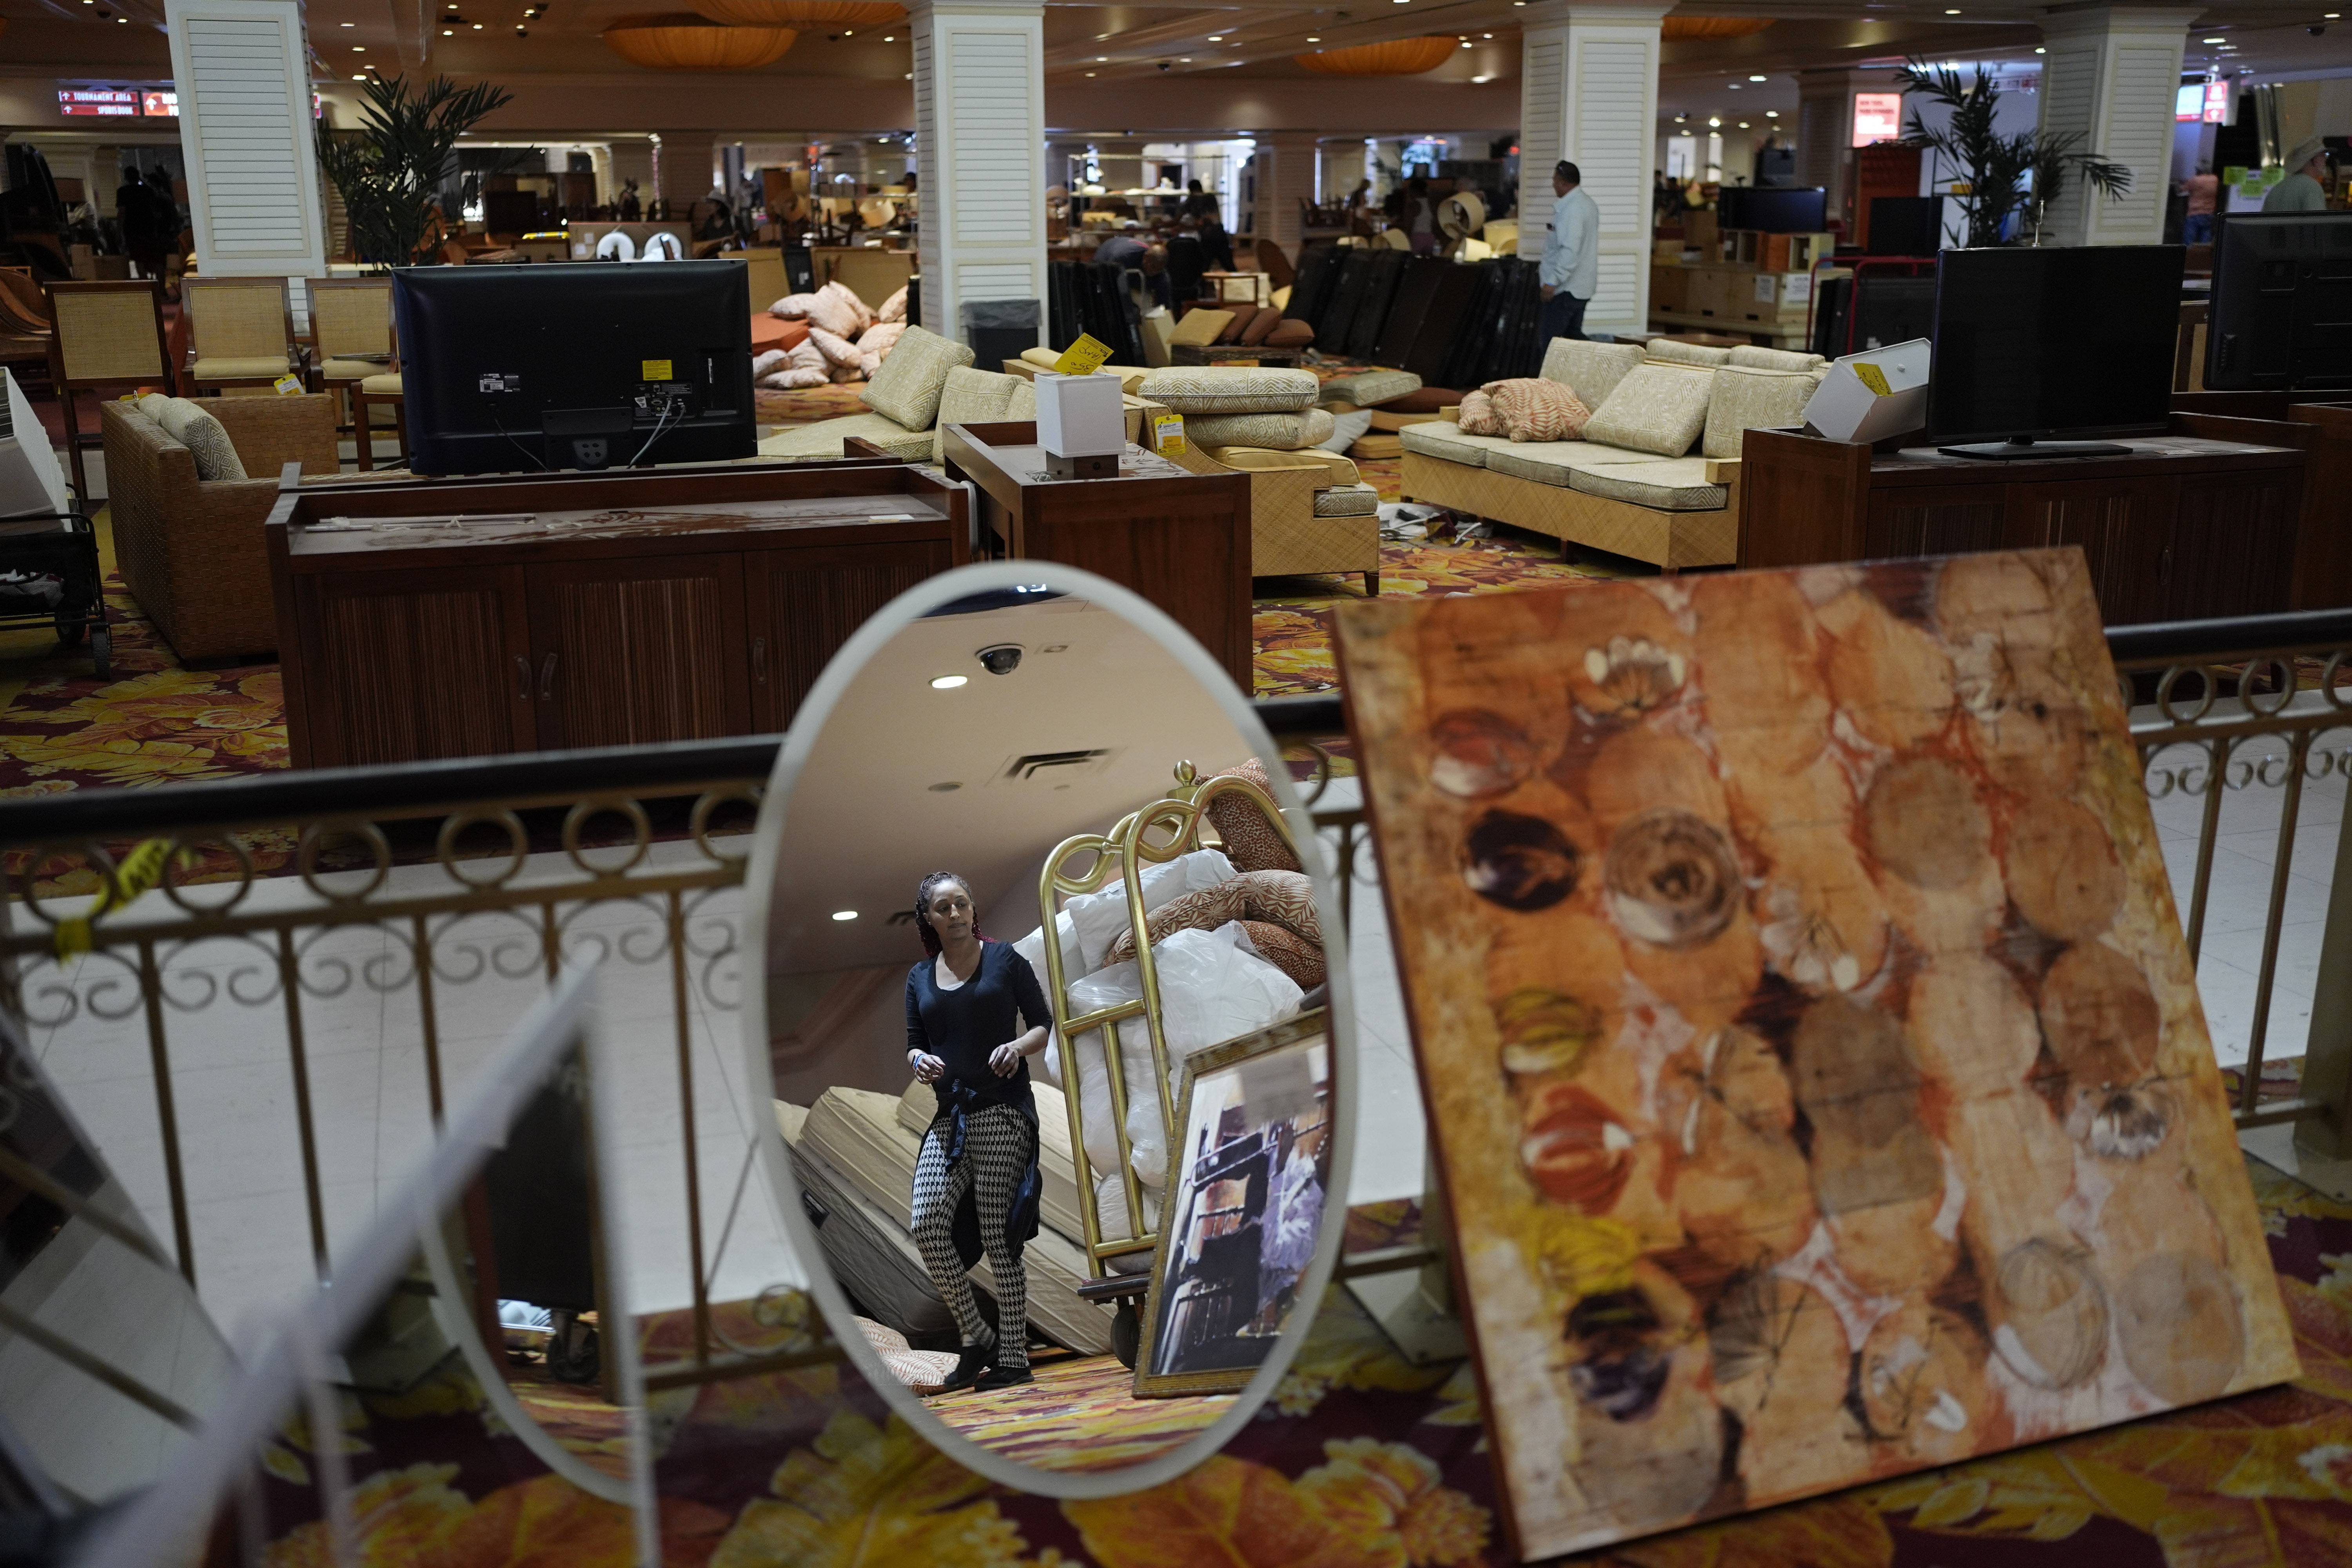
1877	117
163	103
97	100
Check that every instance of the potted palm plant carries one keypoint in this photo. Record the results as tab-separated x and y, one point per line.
389	172
2020	176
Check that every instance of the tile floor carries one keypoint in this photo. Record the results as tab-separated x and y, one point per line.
234	1088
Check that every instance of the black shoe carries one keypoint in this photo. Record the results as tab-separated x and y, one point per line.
997	1377
970	1363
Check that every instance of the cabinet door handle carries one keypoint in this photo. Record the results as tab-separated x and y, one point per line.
760	661
523	679
547	678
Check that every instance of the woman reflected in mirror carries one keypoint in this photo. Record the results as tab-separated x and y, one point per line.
975	1014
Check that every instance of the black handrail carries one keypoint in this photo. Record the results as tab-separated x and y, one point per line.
311	793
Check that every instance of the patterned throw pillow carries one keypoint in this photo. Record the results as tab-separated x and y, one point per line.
836	350
1205	909
1230	389
205	436
1533	409
907	387
1276	432
1287	951
1479	416
792	307
1290	333
839	312
1251	843
1285	898
893	308
1261	326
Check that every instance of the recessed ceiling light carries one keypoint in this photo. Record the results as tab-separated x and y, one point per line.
1183	59
2212	40
359	78
1485	35
1465	42
1772	114
1755	78
359	48
1102	59
1732	85
1711	120
1216	37
1743	125
1476	80
477	26
1313	39
844	914
1091	76
948	683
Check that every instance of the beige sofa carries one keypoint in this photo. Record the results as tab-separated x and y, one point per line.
1665	493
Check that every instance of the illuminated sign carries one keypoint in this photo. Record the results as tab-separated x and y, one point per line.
1877	117
2189	103
2217	102
163	103
97	100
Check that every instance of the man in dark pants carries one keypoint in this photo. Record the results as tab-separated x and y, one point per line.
1571	253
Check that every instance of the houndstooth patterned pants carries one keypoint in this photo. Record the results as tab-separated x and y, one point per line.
995	1153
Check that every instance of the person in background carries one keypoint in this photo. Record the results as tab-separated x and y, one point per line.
1130	254
2304	189
1419	217
146	233
1571	253
1360	196
1197	203
629	206
2204	189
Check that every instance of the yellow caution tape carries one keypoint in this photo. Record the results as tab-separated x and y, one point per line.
1871	376
133	875
1083	357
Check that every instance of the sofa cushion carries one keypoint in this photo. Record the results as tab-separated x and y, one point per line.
906	388
223	367
1230	389
1589	370
1658	408
972	396
1370	388
1261	328
348	370
1278	432
1745	399
205	436
1678	484
1443	439
381	385
1337	468
1533	409
1753	357
1672	352
1347	501
824	439
1557	462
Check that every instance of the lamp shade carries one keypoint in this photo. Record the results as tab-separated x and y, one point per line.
681	40
1676	28
1400	57
802	14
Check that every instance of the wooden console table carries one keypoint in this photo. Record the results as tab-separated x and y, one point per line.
2322	540
484	616
2198	523
1181	540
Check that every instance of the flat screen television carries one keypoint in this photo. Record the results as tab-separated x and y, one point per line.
1801	210
1906	226
575	364
2037	346
2282	311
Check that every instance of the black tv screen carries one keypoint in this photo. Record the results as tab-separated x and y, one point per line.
2054	341
575	365
1803	210
2282	311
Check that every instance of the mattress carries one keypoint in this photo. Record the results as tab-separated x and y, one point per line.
855	1137
873	1258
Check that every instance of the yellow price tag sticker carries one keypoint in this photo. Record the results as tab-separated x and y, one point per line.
288	385
1871	376
134	874
654	370
1083	357
1168	435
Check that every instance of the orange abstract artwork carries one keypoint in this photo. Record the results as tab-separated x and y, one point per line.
1813	1062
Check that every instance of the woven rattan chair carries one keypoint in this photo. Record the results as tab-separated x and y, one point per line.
350	321
366	393
240	331
109	336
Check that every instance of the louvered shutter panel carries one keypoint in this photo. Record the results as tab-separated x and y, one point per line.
979	131
241	68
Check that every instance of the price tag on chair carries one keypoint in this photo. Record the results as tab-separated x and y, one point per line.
287	384
1083	357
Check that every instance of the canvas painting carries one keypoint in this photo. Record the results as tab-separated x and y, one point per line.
1813	1061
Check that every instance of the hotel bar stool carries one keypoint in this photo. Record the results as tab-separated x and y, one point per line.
109	338
350	321
241	331
374	389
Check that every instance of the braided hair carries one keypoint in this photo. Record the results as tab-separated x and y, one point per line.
923	891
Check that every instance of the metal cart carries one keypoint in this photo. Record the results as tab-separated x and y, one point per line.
50	576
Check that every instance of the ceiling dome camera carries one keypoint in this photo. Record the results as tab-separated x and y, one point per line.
1001	659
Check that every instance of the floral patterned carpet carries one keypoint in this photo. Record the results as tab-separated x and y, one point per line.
1361	1460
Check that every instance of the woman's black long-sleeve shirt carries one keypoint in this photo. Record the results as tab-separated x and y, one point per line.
963	1027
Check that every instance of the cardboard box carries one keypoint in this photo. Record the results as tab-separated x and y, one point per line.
1848	407
1772	294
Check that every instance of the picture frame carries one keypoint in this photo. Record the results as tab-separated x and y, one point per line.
1244	1159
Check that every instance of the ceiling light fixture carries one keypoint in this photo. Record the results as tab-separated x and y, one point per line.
1485	35
1743	125
1715	123
1216	37
359	48
1772	114
1313	39
1465	42
1102	59
1755	78
2212	40
844	914
359	78
948	683
2038	51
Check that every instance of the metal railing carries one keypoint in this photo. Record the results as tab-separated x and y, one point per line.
266	895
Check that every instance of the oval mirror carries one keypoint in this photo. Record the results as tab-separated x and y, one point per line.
1075	1269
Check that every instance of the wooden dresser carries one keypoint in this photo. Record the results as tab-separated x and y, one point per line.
425	620
2201	521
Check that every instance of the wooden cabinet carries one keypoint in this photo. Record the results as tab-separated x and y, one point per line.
2203	522
422	621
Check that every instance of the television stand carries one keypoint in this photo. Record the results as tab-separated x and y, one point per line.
2021	451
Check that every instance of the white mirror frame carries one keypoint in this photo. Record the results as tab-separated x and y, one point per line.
807	725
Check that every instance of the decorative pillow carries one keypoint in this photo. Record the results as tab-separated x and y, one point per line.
1251	843
974	397
1658	408
843	375
1370	388
1285	898
1749	356
1746	399
1589	370
798	366
893	308
838	351
1292	334
764	362
1244	315
1277	432
792	307
206	438
1534	409
1673	353
1261	326
1479	416
1296	957
1347	429
907	387
839	312
1205	909
1229	389
1100	919
152	404
880	338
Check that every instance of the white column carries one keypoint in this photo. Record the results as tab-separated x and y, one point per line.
980	133
2108	81
1825	137
1285	175
1589	93
242	70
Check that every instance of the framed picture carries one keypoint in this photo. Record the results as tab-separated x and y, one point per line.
1245	1206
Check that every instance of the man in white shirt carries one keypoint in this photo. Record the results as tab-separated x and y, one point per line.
1571	253
2301	191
